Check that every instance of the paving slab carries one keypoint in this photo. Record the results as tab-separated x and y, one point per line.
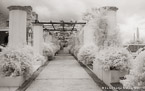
64	74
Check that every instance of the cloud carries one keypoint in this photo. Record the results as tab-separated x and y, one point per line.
66	10
50	9
131	13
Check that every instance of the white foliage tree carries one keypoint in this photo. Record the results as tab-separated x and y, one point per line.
136	77
98	24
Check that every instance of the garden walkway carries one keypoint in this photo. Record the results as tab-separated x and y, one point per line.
63	74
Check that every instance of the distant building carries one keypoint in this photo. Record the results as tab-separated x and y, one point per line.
136	44
134	47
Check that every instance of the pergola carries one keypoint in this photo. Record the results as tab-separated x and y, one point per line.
59	28
61	23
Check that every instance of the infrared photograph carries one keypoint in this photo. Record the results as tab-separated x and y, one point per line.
72	45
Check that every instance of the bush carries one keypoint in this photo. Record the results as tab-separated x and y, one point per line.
48	50
136	77
87	53
16	62
114	58
76	50
72	50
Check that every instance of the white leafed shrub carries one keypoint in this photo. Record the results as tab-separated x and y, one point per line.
87	53
39	58
48	50
16	62
136	77
72	49
114	58
76	50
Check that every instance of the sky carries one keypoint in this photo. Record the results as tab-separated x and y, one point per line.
131	13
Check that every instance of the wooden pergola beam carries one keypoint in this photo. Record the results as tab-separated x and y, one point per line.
58	30
59	22
62	23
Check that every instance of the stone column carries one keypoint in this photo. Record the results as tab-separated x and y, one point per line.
109	14
109	25
48	37
88	32
17	26
38	39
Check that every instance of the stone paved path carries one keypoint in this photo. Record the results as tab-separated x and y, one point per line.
63	74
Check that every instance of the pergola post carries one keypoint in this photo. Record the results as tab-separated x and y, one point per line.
38	39
109	13
48	37
17	26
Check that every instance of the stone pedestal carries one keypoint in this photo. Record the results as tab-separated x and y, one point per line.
38	39
48	37
97	69
17	26
109	13
88	34
108	17
113	76
109	76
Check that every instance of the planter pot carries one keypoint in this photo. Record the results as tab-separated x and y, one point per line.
97	69
113	76
11	81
